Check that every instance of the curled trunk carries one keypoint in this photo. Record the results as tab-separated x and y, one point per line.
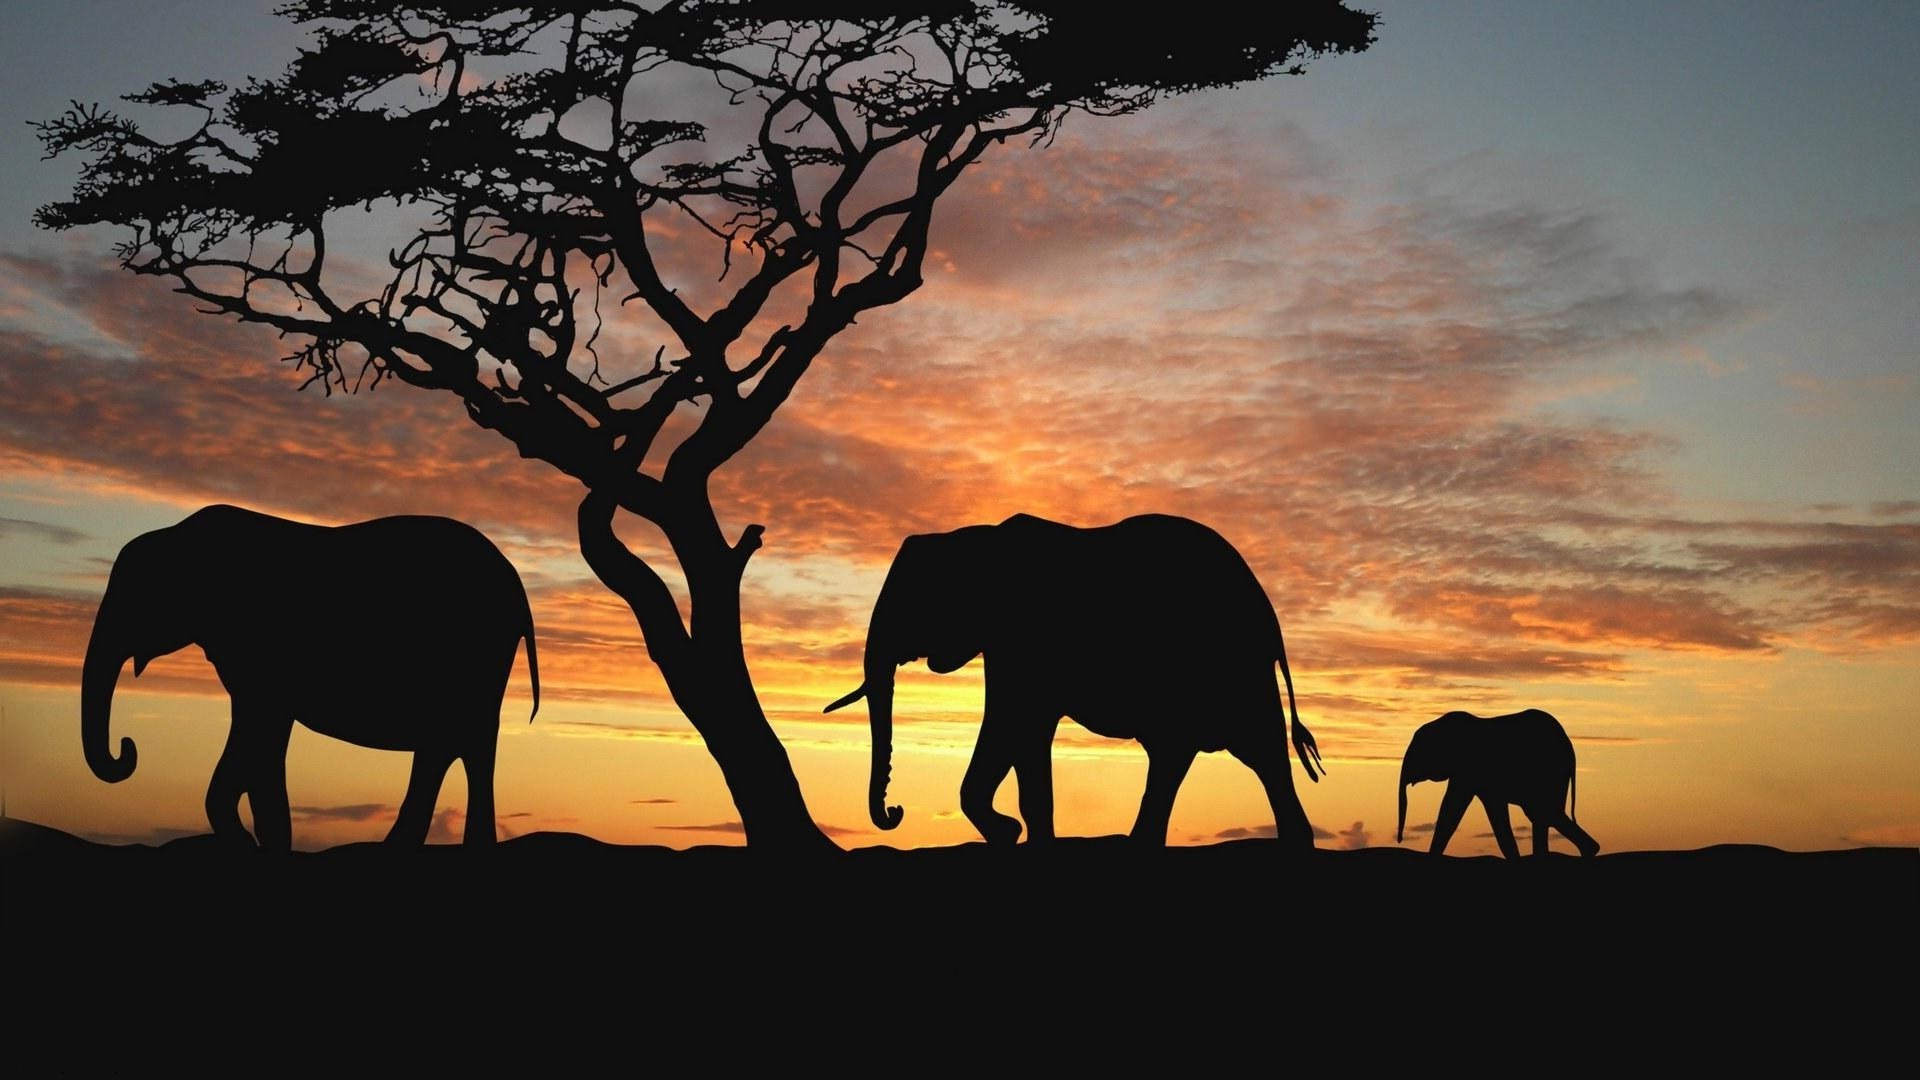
1399	831
98	676
880	713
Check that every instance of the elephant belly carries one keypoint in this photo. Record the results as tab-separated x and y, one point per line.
1112	723
429	712
375	708
1209	716
381	730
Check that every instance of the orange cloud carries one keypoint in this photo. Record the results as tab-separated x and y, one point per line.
1344	385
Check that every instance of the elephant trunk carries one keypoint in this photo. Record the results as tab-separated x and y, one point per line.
880	712
105	658
1400	830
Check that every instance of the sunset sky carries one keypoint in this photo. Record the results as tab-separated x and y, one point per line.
1538	357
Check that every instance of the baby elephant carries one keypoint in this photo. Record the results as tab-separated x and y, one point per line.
1523	758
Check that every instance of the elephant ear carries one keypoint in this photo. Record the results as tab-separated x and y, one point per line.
983	567
941	663
937	601
898	609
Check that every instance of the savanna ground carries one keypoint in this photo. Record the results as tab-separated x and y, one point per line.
1716	948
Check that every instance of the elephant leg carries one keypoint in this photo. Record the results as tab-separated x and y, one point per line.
1453	806
1499	816
478	762
993	754
253	764
1034	769
1538	823
223	794
1266	754
1166	767
267	785
1571	829
423	790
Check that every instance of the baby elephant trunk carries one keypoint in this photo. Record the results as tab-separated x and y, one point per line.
1400	829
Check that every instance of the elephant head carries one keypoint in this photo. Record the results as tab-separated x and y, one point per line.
932	605
1430	756
149	610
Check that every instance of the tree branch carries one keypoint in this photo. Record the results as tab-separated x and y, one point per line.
631	579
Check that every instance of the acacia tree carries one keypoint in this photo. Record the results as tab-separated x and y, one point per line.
513	133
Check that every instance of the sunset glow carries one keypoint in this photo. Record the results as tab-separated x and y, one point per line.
1502	417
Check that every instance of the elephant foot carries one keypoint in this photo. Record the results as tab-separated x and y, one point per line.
235	840
406	834
998	829
1294	840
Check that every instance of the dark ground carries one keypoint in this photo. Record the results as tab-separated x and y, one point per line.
1700	945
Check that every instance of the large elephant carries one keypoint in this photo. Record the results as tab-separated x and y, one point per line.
397	633
1524	758
1153	628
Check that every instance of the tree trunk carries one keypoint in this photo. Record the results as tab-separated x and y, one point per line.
727	714
706	669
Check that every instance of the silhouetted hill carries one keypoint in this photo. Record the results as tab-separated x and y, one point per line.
1232	929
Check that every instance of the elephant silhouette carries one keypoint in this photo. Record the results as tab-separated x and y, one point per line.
1522	758
397	633
1152	628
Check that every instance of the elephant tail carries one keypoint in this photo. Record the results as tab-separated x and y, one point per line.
1573	795
1303	741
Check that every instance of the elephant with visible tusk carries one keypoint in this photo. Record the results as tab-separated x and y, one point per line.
397	634
1524	758
1153	628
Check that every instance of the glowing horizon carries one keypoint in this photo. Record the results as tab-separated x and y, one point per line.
1490	440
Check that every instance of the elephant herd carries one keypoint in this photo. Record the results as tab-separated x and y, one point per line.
400	633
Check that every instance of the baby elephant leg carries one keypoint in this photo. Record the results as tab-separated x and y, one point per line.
1539	824
1571	829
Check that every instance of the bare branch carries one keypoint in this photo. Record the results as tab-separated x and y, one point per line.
631	579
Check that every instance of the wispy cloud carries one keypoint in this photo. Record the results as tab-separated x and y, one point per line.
448	826
1355	836
1258	832
844	830
731	827
351	812
1901	835
153	837
17	528
1344	384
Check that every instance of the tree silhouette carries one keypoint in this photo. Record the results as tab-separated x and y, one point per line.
515	145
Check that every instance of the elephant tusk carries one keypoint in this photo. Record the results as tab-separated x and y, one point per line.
854	695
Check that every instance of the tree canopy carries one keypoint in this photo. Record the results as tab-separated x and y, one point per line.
530	158
457	108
